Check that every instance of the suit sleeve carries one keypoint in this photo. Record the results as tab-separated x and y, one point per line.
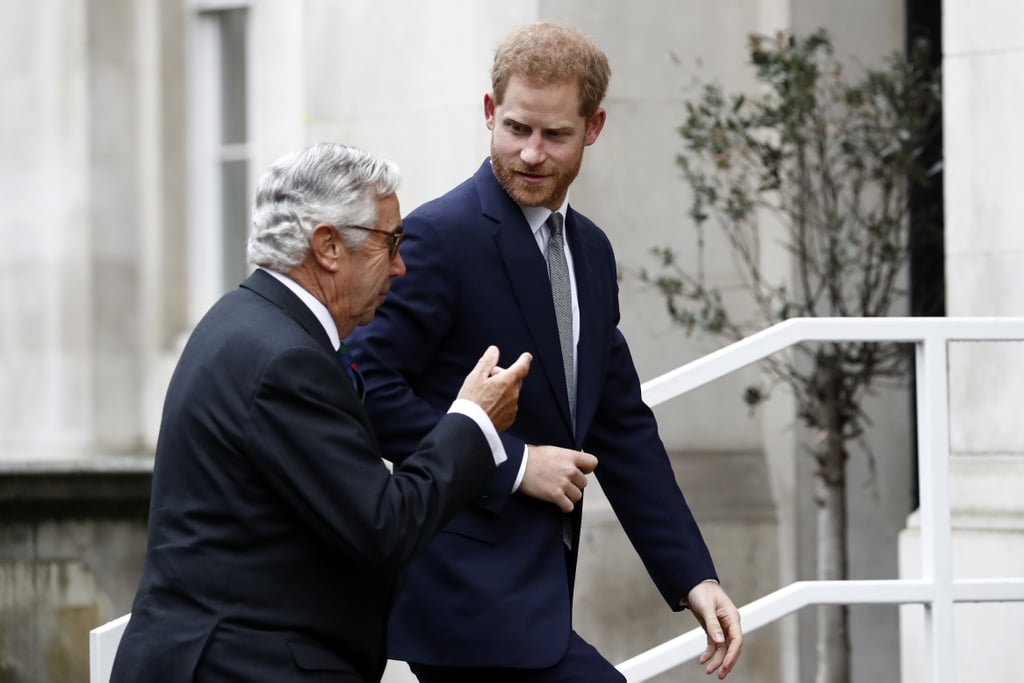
308	437
636	475
402	344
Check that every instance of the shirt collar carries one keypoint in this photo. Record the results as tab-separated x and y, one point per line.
536	216
312	303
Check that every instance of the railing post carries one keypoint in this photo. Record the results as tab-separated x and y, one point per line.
933	474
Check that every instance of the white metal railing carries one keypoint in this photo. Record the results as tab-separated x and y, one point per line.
103	642
937	591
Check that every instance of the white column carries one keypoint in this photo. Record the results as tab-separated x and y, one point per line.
983	102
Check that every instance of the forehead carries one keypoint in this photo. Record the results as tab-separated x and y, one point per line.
535	103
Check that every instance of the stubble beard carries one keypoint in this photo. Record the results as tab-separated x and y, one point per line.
545	194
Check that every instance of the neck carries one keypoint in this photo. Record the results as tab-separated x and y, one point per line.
322	287
306	277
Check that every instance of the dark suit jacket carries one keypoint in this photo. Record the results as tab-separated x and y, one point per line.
276	532
492	588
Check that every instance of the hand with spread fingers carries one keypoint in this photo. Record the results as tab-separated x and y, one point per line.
496	389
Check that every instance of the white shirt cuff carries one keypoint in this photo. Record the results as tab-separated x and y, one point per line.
474	412
522	469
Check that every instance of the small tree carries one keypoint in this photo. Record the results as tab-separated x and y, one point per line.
831	163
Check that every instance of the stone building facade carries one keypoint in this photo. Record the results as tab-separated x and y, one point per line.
133	131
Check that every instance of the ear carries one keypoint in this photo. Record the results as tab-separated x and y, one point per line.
489	106
325	246
594	126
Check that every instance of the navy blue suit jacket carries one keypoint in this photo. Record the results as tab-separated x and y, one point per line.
494	588
276	531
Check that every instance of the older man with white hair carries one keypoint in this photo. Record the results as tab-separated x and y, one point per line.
276	532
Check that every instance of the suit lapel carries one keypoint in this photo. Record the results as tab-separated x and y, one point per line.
270	289
528	277
587	368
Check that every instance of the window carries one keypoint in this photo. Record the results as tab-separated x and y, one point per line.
219	151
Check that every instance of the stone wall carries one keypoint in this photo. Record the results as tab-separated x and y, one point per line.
72	537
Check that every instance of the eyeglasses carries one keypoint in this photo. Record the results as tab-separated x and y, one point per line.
394	238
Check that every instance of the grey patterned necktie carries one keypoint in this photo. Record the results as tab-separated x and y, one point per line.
561	294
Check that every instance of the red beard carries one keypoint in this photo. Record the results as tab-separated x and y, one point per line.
550	193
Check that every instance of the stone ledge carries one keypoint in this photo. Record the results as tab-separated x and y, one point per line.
85	487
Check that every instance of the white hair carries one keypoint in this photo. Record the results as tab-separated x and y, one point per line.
325	183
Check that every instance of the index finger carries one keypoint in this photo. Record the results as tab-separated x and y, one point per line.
485	365
585	462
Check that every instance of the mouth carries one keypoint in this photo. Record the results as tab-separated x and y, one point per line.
531	178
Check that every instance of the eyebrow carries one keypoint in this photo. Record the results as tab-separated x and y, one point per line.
567	128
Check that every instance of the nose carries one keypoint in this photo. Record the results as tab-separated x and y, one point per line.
397	266
533	152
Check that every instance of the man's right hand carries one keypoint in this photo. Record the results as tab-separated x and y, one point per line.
557	475
494	389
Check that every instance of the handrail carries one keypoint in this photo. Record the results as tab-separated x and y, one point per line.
781	336
936	590
796	596
103	643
